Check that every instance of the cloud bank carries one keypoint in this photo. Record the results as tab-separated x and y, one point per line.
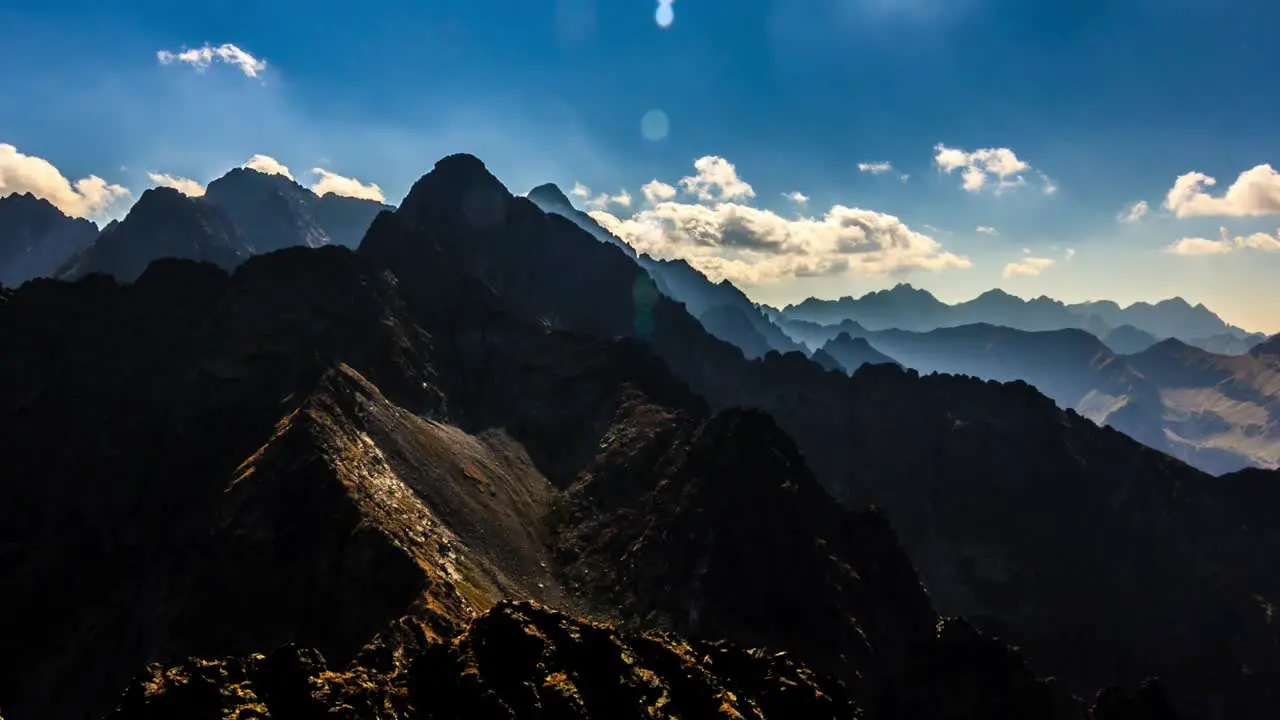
728	239
1198	246
87	197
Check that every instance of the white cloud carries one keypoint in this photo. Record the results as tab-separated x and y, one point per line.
1069	254
716	179
1255	192
1194	246
202	57
1027	267
656	191
186	186
88	196
267	164
880	168
1134	212
987	230
328	182
754	246
979	167
796	197
603	200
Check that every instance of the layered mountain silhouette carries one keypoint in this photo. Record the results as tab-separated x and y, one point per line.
321	475
242	213
723	309
908	308
164	223
1220	413
36	237
273	212
854	352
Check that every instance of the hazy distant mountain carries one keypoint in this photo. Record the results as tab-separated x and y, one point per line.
1127	339
1174	317
164	223
274	212
1219	413
908	308
682	282
852	353
1228	343
36	238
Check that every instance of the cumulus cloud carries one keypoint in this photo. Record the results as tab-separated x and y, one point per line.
979	168
754	246
267	164
1198	246
796	197
85	197
716	179
186	186
1134	212
656	191
1255	192
202	57
1027	267
987	230
329	182
603	200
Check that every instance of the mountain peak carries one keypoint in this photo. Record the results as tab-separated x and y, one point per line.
459	184
549	195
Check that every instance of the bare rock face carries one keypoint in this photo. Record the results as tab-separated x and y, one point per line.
36	237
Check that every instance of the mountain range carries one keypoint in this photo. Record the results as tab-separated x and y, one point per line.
482	466
904	307
242	213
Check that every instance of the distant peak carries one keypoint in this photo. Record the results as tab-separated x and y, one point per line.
550	195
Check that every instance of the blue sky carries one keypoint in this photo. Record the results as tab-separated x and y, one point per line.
1112	102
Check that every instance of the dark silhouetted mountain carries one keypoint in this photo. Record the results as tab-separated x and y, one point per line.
824	359
339	451
908	308
36	238
1127	340
345	219
1269	347
985	482
730	324
852	353
274	212
680	281
164	223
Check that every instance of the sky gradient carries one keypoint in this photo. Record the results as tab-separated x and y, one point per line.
983	105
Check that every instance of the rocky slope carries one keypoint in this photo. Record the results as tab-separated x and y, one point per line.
36	237
314	450
986	483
